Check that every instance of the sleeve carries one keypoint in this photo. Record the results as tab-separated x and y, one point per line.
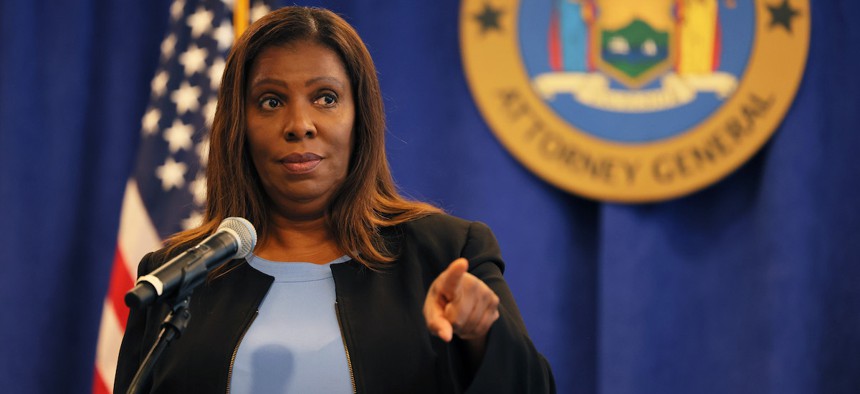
511	363
132	350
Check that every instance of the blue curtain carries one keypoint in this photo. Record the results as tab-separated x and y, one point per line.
74	82
749	286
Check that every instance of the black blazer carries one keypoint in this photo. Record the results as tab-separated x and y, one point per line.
389	348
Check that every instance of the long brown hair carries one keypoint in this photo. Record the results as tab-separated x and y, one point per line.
367	200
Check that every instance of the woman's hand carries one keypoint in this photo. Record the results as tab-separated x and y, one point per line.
460	303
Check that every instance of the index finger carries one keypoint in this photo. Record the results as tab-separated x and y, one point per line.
449	280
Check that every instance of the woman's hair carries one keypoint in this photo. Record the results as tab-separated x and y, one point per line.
367	200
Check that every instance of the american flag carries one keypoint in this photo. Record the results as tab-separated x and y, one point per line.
167	190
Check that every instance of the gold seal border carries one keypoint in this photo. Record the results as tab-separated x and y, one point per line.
578	162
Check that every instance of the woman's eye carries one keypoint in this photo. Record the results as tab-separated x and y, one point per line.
270	102
327	100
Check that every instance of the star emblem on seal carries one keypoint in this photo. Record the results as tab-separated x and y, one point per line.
781	15
489	18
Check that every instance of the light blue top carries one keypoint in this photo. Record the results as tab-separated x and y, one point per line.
295	344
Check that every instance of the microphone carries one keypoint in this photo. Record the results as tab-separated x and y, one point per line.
234	239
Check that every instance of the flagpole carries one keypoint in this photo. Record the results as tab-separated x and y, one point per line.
241	10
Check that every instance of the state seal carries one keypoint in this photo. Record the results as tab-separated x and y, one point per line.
633	101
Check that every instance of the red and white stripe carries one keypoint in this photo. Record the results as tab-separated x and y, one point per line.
137	236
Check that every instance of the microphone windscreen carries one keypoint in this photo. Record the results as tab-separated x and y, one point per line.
246	232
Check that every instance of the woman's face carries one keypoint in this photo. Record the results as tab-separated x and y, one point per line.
300	115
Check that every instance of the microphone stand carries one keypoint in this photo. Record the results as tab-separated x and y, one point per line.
172	327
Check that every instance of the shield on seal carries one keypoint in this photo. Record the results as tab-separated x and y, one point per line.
634	40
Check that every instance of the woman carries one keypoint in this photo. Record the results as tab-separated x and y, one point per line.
351	288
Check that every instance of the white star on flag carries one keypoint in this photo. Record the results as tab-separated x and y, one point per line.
209	110
172	174
194	219
198	188
194	60
168	46
186	98
224	35
203	152
159	83
259	10
176	9
216	72
200	22
178	136
149	124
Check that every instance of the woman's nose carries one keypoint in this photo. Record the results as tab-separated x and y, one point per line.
299	124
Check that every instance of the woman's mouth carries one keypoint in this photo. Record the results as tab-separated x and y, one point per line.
301	163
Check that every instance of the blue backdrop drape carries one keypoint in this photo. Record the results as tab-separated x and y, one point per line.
749	286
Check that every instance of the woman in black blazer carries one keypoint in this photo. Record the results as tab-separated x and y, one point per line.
297	148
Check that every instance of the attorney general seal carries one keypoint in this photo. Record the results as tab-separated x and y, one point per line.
634	101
